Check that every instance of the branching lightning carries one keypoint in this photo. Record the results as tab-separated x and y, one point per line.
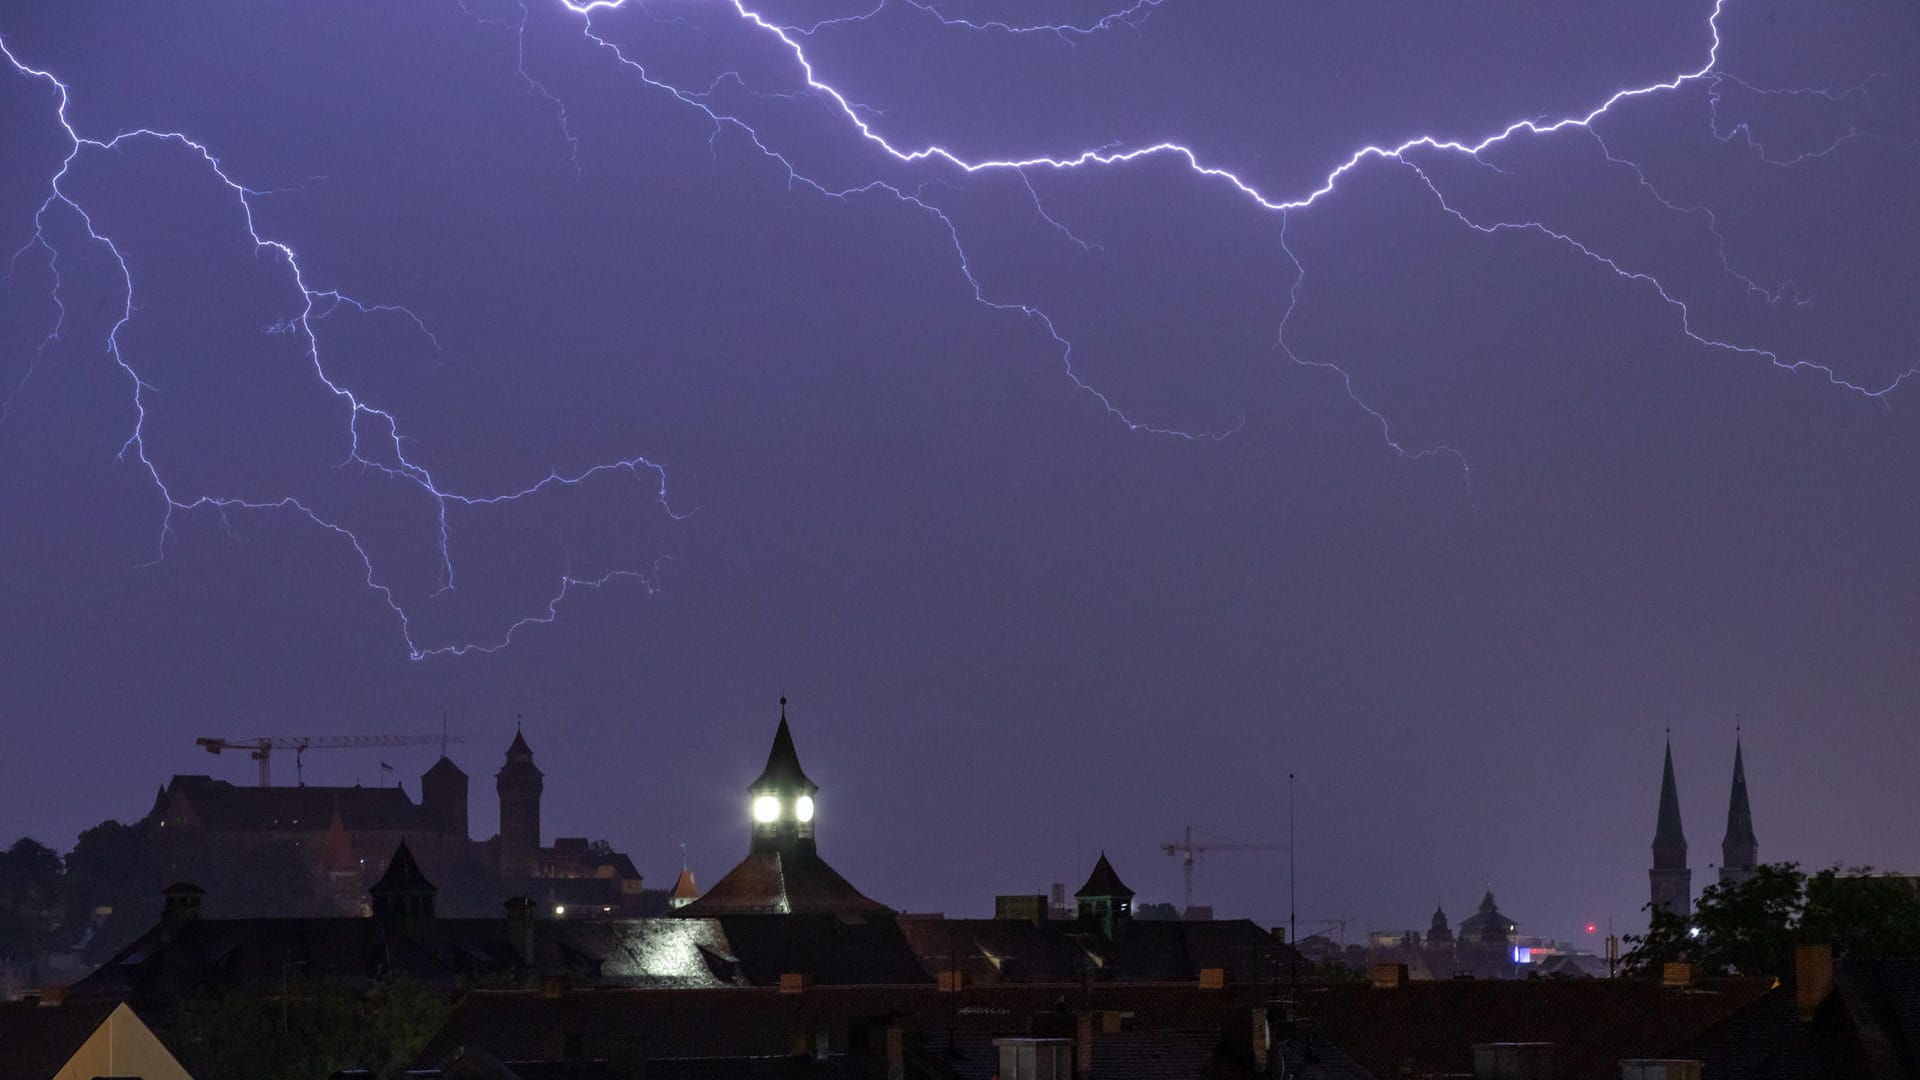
938	166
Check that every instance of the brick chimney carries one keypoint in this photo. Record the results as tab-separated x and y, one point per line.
1389	976
1812	977
1083	1047
520	927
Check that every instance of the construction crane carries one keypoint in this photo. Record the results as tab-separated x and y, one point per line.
261	747
1188	849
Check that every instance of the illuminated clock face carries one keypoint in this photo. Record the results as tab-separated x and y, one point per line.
766	808
803	808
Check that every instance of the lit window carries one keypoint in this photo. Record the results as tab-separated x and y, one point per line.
803	808
766	809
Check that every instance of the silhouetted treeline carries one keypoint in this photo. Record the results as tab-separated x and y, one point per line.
96	898
1751	928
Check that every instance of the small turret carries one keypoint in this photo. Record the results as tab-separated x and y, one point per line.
1104	900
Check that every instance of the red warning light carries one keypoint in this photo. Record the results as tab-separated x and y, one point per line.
1591	928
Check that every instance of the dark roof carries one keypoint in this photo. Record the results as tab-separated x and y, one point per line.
518	747
1667	833
445	765
1868	1028
217	804
781	883
1103	881
36	1040
994	951
1169	1032
783	770
169	963
1431	1027
403	875
1739	814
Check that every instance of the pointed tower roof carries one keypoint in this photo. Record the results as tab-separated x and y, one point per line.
519	758
445	765
1739	814
403	875
783	770
1103	881
1668	834
684	887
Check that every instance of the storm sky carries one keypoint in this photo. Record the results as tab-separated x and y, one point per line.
1069	506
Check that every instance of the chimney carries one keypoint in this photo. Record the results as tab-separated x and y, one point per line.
1213	978
1513	1061
1676	974
553	986
53	996
793	982
1389	976
1083	1047
896	1052
1660	1069
182	906
520	927
1812	977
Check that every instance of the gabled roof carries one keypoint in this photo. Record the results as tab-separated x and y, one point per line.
445	765
1739	814
783	770
1667	833
791	882
1103	881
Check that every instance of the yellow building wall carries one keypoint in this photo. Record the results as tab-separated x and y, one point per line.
122	1046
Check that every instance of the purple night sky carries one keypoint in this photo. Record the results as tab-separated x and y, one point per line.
1069	505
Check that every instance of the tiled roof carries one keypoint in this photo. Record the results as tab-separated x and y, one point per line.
780	883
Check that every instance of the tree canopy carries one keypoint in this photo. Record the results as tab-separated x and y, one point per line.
1750	928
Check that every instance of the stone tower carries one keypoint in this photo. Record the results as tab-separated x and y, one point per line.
519	784
1739	851
443	795
1670	880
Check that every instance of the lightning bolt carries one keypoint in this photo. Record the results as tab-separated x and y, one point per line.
934	168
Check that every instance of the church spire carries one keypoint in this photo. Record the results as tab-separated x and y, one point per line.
1739	850
1671	883
1669	840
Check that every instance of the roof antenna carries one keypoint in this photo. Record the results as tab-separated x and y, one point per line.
683	855
443	733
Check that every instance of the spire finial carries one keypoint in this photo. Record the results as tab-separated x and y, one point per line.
516	721
683	854
783	706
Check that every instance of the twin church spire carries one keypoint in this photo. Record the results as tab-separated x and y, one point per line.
1670	881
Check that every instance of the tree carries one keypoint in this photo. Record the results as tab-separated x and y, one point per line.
110	867
1750	928
30	915
306	1029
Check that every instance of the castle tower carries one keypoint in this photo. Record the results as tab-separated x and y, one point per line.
1671	883
443	795
1739	851
519	784
1439	931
